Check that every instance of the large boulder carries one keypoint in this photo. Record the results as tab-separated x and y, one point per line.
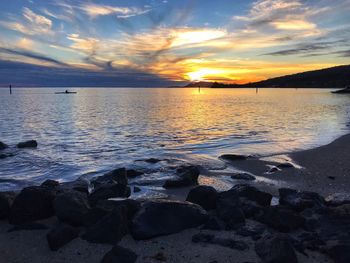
276	249
106	191
3	146
109	230
28	144
281	218
186	175
253	194
71	207
31	204
79	185
299	201
117	176
164	217
119	254
228	209
61	235
205	196
6	200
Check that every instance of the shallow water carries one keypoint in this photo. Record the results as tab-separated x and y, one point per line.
100	129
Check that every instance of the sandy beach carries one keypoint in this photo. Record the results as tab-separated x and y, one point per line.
316	166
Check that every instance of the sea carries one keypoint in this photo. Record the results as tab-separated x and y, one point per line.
96	130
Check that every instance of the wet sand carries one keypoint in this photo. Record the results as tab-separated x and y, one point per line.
317	165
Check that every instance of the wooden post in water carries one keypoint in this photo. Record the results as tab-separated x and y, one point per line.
10	89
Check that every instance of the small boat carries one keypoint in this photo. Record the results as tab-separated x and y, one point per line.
66	92
342	91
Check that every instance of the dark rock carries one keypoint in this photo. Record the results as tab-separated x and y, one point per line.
281	218
285	165
273	169
61	235
28	144
117	176
234	157
299	201
31	204
253	194
6	200
331	177
339	253
94	215
243	176
276	249
228	209
79	185
338	199
214	224
133	173
186	175
104	192
28	226
50	184
5	155
225	242
129	206
164	217
137	189
311	240
71	207
3	146
119	255
255	231
205	196
159	257
152	160
109	230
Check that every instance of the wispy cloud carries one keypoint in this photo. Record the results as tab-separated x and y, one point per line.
30	24
95	10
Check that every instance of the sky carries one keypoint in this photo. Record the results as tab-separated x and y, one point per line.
168	42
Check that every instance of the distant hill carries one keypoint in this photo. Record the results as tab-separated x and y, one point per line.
203	84
335	77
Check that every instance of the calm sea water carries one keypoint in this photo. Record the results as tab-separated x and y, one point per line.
102	128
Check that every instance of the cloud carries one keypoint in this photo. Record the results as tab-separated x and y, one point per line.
31	55
31	24
281	15
95	10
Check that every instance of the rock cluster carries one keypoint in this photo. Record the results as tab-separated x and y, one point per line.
301	221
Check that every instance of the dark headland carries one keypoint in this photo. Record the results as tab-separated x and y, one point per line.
335	77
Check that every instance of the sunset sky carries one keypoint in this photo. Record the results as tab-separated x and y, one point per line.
162	42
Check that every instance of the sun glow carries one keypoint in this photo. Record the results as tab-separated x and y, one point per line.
203	74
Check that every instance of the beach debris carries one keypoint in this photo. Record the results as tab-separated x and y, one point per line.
6	200
3	146
71	207
203	195
31	204
276	248
164	217
234	157
28	144
119	254
338	199
186	175
243	176
61	235
299	200
225	242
